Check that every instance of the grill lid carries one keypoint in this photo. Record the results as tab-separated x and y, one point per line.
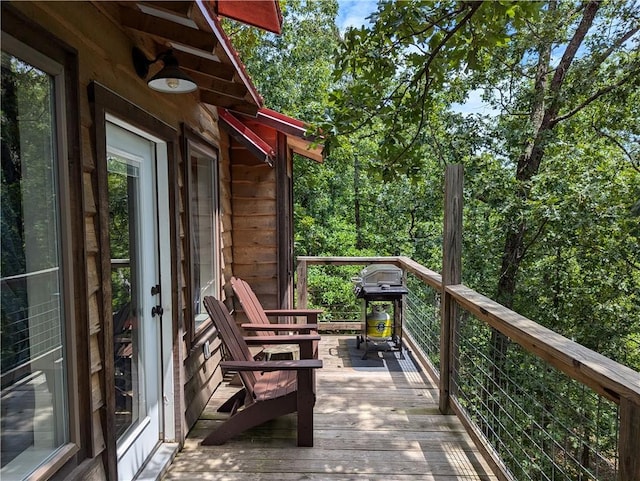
378	275
379	281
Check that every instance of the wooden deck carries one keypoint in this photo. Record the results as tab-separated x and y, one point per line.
375	419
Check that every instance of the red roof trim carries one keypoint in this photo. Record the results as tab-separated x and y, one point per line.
285	124
247	137
282	117
282	122
264	14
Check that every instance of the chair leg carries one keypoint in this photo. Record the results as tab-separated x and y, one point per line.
251	416
306	399
232	404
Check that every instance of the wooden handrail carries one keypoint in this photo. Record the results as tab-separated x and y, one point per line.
430	277
608	378
605	376
348	261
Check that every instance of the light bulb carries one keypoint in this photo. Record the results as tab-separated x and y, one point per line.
173	83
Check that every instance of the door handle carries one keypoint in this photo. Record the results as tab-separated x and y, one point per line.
156	311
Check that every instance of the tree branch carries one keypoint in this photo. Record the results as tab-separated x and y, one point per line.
423	98
425	70
615	45
538	233
439	148
595	96
574	44
619	145
431	24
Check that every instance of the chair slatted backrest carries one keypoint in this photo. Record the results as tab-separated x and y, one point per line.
250	304
232	339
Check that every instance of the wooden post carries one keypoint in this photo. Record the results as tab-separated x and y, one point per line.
301	285
629	441
451	274
284	222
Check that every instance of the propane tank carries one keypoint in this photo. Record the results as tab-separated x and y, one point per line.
378	322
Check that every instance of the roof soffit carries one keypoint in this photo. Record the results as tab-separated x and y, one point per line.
192	30
199	44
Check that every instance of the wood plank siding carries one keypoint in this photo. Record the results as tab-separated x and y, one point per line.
255	233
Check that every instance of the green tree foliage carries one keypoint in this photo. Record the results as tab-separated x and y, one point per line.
399	67
293	70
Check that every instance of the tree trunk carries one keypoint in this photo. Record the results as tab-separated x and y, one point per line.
356	203
543	118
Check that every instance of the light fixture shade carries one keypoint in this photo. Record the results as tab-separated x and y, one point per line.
170	79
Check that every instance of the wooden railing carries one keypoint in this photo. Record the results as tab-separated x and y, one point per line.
607	378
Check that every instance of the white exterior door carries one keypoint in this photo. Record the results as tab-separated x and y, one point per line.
137	180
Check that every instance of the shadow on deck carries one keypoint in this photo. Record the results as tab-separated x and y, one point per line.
375	419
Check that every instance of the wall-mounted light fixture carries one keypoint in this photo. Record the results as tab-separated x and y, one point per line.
170	79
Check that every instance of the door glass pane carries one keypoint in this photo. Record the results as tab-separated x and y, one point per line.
124	236
34	395
203	233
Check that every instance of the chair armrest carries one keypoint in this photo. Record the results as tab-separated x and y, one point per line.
310	313
264	366
295	339
305	341
280	327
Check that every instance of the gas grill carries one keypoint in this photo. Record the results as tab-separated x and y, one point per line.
380	282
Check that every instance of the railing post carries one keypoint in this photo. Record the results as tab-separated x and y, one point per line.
629	441
301	285
451	274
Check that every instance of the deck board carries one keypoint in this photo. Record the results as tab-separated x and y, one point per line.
376	419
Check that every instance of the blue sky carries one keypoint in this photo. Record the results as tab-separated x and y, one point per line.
352	13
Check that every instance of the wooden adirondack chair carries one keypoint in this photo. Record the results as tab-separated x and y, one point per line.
271	388
259	317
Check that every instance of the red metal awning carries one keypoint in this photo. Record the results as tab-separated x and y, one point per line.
263	14
243	128
281	122
247	137
296	132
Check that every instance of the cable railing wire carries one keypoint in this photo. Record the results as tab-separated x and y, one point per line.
422	319
536	418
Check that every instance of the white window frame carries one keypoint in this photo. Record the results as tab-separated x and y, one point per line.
200	148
